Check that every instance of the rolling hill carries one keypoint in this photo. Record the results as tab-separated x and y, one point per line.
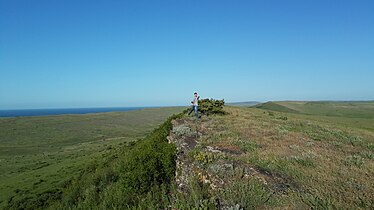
245	103
353	109
277	155
41	155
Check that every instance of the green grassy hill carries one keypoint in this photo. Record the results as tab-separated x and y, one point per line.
286	155
275	107
254	158
357	109
43	154
245	103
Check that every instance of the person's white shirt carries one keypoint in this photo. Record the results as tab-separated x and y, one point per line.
195	100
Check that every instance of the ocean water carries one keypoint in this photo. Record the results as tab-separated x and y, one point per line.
44	112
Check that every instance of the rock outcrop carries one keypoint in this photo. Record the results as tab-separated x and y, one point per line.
215	166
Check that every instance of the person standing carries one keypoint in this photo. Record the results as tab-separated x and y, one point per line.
195	104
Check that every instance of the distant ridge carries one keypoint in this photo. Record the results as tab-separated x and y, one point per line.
355	109
275	107
244	103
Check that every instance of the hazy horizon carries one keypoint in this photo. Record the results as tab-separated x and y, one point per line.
182	105
64	54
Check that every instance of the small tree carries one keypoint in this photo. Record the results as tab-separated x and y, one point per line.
211	106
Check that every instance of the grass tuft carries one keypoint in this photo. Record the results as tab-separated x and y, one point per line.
354	160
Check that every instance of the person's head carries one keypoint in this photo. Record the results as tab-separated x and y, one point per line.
195	94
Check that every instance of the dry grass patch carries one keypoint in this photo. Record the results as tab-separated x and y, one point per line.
331	162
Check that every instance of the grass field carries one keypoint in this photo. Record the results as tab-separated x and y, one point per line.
350	114
358	109
243	104
38	154
283	155
275	158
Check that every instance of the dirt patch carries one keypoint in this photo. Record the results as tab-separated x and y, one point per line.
231	149
279	182
190	142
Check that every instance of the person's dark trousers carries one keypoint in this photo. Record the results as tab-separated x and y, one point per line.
191	110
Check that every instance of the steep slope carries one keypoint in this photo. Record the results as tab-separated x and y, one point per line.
95	169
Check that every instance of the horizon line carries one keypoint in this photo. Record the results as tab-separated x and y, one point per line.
159	106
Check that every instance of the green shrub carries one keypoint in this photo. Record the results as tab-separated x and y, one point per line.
204	158
211	106
41	200
150	163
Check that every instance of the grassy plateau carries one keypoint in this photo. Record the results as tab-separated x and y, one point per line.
302	155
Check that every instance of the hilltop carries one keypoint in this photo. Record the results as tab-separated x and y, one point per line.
278	155
253	158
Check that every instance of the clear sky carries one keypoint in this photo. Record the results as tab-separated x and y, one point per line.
76	53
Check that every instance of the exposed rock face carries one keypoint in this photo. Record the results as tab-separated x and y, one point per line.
196	160
185	139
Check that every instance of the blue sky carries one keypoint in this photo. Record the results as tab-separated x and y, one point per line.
148	53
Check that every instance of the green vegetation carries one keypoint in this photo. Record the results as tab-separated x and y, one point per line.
247	158
243	104
275	107
255	158
128	177
324	159
359	115
361	109
211	106
42	157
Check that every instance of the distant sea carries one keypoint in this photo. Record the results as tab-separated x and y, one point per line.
44	112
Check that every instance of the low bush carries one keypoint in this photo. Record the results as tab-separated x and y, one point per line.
211	106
